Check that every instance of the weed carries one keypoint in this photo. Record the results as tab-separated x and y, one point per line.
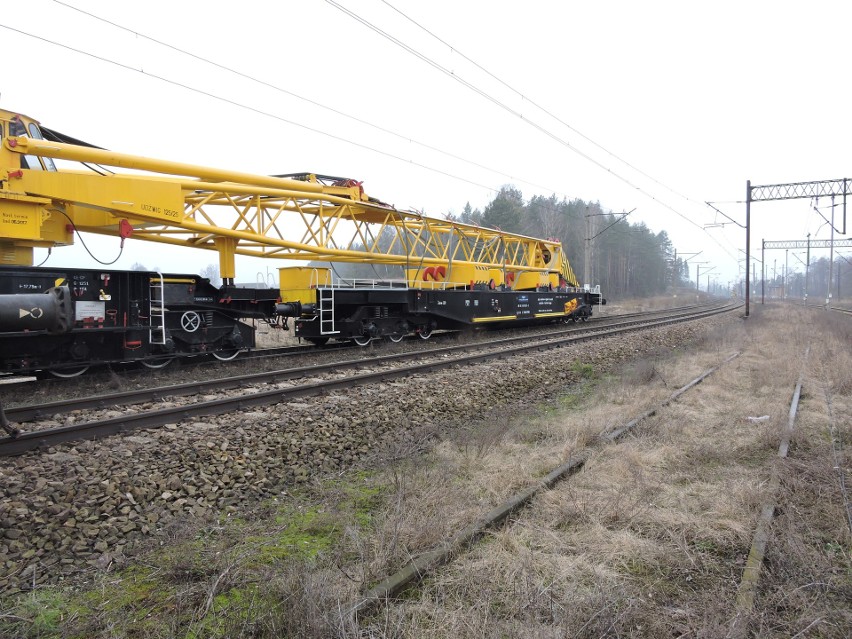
40	613
583	370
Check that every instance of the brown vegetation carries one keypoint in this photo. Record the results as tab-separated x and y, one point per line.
649	540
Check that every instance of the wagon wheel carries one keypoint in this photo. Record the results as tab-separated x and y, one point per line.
156	363
226	356
67	373
362	340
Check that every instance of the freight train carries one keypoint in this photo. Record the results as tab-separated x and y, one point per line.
448	275
65	320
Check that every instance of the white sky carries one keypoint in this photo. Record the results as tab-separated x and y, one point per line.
699	96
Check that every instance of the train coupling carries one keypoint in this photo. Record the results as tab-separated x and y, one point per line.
294	309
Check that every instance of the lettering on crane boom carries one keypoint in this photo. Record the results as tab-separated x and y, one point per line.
157	210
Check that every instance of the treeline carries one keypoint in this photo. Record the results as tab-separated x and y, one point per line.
626	259
776	285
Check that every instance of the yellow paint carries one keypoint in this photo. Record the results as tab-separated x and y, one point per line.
571	306
496	274
237	213
14	255
502	318
173	280
20	220
227	247
299	283
530	281
152	200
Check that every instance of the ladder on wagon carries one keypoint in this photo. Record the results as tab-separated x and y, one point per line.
326	311
157	311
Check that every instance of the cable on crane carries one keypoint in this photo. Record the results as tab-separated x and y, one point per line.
83	242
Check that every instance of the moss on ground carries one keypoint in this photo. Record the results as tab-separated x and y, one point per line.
210	584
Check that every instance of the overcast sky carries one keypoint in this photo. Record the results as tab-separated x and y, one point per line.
657	106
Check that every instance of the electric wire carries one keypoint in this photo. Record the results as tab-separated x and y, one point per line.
46	257
310	101
710	204
252	109
514	112
536	104
383	129
505	107
83	242
363	146
623	217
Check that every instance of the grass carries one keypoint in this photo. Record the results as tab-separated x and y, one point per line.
648	540
220	579
651	538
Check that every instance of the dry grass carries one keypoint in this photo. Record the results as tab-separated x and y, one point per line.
649	540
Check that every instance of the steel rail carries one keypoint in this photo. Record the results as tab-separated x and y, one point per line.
837	453
22	414
417	568
93	430
202	359
747	591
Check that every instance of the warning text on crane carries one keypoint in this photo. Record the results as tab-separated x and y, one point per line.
18	221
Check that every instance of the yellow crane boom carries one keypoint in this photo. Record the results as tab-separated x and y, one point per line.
305	217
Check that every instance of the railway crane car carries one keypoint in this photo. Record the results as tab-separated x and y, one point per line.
449	276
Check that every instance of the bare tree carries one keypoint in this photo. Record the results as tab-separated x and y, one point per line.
211	272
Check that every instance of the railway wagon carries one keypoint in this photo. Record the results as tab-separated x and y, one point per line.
64	320
365	310
451	275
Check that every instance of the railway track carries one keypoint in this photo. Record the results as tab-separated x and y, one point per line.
836	309
322	378
418	567
696	470
201	366
294	350
742	616
26	413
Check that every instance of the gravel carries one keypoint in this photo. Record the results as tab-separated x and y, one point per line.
90	506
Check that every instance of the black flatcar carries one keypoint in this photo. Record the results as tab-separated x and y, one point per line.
363	312
64	320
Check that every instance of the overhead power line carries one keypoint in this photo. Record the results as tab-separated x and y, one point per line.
514	112
307	100
536	104
248	108
623	216
339	138
505	107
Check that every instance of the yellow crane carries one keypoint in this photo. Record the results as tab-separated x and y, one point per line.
297	217
452	276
